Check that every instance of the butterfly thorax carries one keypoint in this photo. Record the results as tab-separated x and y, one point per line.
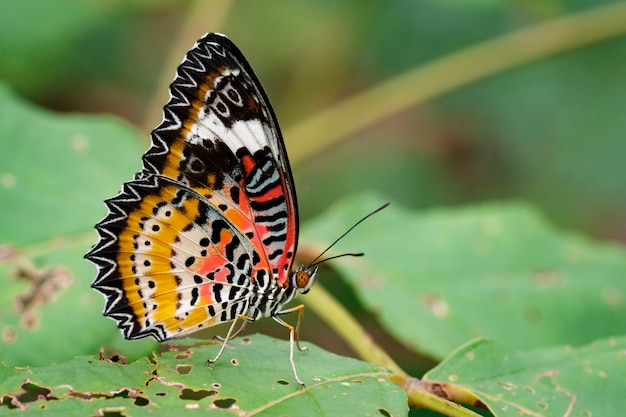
269	301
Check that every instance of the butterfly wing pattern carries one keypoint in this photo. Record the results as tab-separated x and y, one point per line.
206	233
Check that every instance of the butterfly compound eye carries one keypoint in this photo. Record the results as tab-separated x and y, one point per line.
303	279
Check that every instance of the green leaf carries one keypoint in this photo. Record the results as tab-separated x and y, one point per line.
252	376
54	173
57	169
81	53
440	278
561	381
495	136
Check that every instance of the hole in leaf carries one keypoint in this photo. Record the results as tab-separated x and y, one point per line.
110	413
6	401
234	361
189	394
183	369
384	412
160	394
224	402
33	392
133	393
130	393
113	358
246	341
172	347
216	385
141	401
282	382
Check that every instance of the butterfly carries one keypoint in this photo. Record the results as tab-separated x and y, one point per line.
206	232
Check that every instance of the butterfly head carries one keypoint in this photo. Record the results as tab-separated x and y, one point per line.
304	277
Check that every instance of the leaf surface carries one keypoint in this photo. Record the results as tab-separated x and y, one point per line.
252	378
439	278
563	381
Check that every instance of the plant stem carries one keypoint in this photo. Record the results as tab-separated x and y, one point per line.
337	317
454	71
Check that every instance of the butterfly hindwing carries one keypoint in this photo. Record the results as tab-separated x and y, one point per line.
176	262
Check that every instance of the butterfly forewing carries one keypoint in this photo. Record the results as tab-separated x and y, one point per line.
210	222
220	137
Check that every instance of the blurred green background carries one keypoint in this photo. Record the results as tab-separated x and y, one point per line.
549	132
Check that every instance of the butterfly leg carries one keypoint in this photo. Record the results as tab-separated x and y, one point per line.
237	333
294	333
230	335
300	310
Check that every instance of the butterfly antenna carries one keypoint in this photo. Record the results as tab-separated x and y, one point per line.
316	262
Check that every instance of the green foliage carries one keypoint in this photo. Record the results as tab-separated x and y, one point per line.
56	170
439	278
253	376
551	381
